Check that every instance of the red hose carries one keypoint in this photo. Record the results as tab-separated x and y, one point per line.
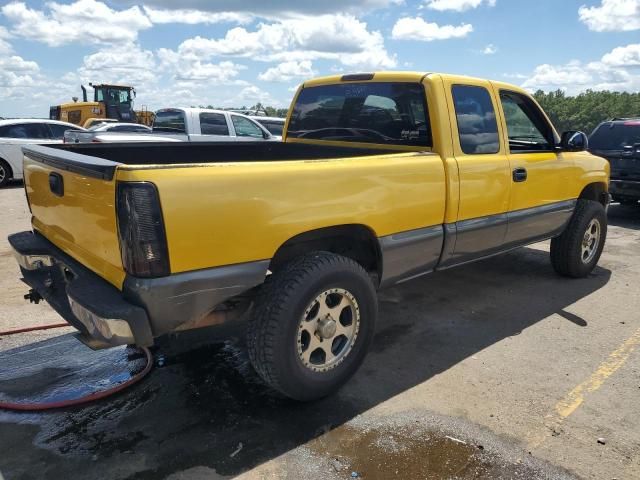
36	407
33	329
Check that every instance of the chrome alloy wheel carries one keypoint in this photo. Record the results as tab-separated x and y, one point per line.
590	241
328	330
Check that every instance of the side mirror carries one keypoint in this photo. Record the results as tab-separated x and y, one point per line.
574	141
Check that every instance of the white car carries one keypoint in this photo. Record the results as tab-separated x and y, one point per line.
190	125
93	134
18	132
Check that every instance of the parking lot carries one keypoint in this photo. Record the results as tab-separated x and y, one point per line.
498	369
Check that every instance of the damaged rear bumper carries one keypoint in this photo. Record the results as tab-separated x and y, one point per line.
145	308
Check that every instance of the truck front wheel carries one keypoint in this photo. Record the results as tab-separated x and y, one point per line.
312	325
576	252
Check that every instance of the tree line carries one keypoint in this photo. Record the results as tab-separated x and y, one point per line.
585	111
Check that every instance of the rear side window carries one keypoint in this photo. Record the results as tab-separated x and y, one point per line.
477	125
25	130
170	121
245	127
615	135
391	113
213	124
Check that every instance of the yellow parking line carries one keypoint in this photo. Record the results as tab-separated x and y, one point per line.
616	359
575	397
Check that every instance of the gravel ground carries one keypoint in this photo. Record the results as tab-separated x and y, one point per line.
498	369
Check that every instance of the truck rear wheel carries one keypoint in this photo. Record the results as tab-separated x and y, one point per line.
312	325
576	252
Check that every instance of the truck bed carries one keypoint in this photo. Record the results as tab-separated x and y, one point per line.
214	152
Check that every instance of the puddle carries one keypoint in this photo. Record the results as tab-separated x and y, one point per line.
63	370
383	454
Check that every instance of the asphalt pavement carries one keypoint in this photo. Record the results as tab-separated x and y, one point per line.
498	369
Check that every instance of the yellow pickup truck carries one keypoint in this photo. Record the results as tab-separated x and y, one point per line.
380	178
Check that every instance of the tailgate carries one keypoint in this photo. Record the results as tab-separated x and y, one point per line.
72	200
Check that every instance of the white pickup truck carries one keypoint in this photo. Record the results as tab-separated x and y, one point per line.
188	125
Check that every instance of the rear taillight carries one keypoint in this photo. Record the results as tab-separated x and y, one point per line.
143	241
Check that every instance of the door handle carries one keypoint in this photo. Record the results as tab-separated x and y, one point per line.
519	174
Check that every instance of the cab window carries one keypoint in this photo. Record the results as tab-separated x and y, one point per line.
526	126
392	113
245	127
476	117
213	124
170	121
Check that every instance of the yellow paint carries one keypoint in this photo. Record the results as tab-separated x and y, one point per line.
220	214
576	397
611	365
227	213
82	222
80	112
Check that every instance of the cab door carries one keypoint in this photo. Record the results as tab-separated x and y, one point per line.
484	172
540	175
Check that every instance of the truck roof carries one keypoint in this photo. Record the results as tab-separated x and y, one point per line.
399	76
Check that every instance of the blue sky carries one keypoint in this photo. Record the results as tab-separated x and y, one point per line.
233	53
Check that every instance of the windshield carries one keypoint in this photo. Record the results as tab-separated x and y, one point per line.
169	121
615	136
389	113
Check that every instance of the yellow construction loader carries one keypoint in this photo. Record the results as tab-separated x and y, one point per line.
109	102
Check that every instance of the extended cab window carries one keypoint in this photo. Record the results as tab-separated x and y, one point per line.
476	117
171	121
388	113
213	124
245	127
526	126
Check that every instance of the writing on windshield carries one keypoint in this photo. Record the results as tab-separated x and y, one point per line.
372	112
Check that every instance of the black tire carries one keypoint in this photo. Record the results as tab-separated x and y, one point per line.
5	173
275	320
567	249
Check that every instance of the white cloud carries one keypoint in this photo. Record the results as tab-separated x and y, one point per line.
84	21
5	47
127	64
192	17
336	37
287	71
628	56
274	9
612	15
614	71
490	49
458	5
417	28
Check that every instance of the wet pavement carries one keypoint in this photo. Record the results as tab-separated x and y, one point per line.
206	407
462	381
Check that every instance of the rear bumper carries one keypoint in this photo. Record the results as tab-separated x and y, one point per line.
89	303
624	188
144	309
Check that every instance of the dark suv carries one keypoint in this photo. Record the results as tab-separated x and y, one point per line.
618	141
